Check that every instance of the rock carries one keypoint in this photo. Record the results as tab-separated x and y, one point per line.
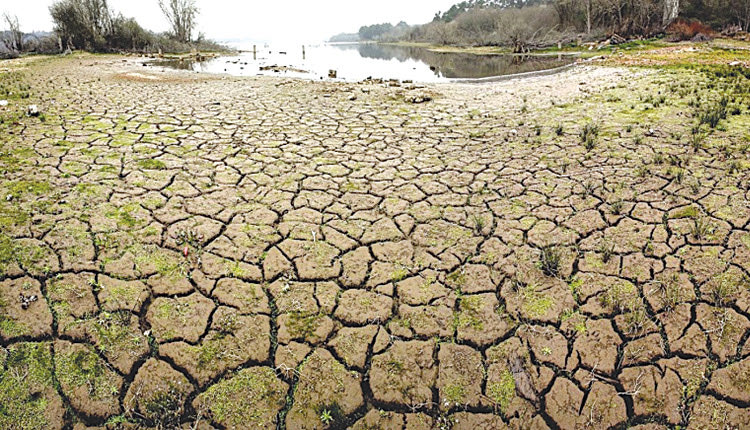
700	37
22	316
524	385
33	110
616	39
3	102
277	69
332	74
418	98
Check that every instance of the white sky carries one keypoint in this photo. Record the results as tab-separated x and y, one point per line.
290	20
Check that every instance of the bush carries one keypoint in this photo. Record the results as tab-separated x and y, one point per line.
519	28
682	29
91	25
82	24
714	113
127	34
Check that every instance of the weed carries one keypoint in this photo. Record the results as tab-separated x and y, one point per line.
669	291
326	417
27	372
734	166
303	324
575	287
549	260
574	320
152	164
329	414
695	187
714	113
503	391
702	228
686	212
696	141
535	304
588	188
616	207
679	175
85	368
164	408
588	135
589	130
478	223
399	274
724	287
589	143
637	317
619	296
469	313
454	394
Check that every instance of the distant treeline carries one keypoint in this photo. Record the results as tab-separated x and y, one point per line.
91	25
525	24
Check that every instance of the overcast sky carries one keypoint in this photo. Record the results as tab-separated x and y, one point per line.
290	20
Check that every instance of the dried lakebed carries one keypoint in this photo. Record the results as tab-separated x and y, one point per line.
197	251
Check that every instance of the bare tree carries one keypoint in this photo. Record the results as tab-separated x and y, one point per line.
671	10
440	32
14	40
181	16
741	12
528	27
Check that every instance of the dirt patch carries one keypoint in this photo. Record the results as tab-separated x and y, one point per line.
563	251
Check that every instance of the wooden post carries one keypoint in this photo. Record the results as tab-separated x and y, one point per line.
303	52
254	52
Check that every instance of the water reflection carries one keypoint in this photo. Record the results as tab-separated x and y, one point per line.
359	61
464	66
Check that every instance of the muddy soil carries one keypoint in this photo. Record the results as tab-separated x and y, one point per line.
180	250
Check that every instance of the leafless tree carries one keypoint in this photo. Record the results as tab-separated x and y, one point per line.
527	28
671	10
478	26
440	32
14	40
181	16
741	11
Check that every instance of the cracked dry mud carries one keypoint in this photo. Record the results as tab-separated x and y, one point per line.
219	252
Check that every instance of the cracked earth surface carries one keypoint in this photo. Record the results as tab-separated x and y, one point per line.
217	252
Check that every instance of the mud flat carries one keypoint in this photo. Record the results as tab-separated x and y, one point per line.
180	250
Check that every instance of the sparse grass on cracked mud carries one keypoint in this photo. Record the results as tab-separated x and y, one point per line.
193	251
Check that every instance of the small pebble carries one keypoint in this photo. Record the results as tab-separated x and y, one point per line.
27	301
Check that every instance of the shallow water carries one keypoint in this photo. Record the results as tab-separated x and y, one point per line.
354	62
